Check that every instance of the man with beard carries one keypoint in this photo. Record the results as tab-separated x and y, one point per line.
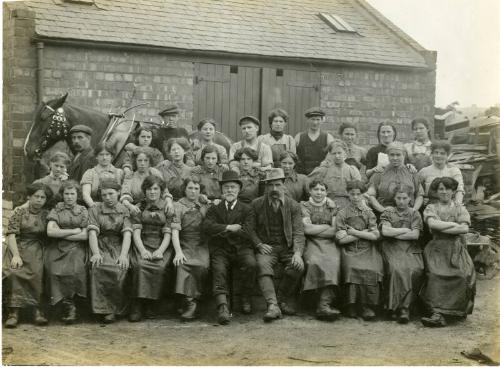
277	231
84	159
230	245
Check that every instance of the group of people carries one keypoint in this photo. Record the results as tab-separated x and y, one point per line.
344	223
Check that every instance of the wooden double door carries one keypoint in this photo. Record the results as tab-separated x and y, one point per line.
228	92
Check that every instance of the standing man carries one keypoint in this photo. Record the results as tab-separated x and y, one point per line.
250	127
84	159
230	245
277	232
311	144
169	129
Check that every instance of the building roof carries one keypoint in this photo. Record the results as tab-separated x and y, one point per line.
274	28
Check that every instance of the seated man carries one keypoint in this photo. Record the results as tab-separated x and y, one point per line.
230	245
277	232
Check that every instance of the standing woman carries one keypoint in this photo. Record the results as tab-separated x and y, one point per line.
151	254
322	256
296	184
104	170
23	262
191	248
250	175
419	150
336	173
207	128
174	169
110	233
210	172
276	138
362	266
383	184
348	133
450	287
402	254
66	256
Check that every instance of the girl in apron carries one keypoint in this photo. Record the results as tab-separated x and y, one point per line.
276	138
296	184
210	172
250	175
419	150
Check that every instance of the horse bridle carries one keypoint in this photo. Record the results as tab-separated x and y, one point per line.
58	129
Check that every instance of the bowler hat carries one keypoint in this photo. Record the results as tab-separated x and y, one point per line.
169	110
251	118
314	111
230	176
81	129
274	174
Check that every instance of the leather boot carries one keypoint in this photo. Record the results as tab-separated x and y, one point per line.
149	310
246	305
40	319
352	311
135	314
273	313
13	318
189	313
368	313
223	315
404	316
436	320
70	316
324	311
287	308
109	318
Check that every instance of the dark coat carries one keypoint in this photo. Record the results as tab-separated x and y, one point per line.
218	217
292	222
81	163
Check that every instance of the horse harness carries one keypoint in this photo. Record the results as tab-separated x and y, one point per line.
58	129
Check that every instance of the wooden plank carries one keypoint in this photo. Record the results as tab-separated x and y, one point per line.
248	91
257	91
241	92
196	96
225	120
233	95
219	73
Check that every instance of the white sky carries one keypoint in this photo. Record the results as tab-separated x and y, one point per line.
466	35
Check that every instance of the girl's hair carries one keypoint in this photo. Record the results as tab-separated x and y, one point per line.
423	121
150	181
402	188
249	152
209	149
277	112
288	154
336	143
448	182
194	179
317	182
183	142
206	121
152	130
60	156
386	123
136	154
109	184
355	184
103	147
70	184
347	125
34	187
441	144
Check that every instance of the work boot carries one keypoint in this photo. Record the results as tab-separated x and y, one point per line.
404	315
246	305
436	320
352	311
273	313
287	308
324	311
368	314
70	316
189	313
40	319
223	315
149	310
109	318
13	318
135	314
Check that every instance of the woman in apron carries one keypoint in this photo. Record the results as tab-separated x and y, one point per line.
110	233
23	261
207	128
296	184
276	138
191	248
419	150
66	256
250	175
210	172
362	267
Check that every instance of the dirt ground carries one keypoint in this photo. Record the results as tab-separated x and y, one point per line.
247	340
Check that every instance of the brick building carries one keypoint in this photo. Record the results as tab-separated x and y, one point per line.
220	59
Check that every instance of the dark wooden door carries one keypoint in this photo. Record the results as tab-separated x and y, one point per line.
226	93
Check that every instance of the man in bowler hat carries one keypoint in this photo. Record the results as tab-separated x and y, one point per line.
230	245
84	159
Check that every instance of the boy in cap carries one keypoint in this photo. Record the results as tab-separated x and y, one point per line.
311	144
277	232
230	245
84	158
250	127
169	129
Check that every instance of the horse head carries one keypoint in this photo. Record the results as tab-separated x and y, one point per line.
49	124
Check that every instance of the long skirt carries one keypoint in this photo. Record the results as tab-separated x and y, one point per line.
24	286
108	281
66	270
322	258
362	272
192	276
450	287
404	273
149	276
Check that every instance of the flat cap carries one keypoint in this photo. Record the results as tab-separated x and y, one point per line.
253	119
81	129
169	110
314	111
